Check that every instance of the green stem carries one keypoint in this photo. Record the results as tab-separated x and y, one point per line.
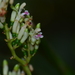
29	55
22	62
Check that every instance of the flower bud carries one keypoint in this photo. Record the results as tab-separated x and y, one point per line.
24	36
38	25
17	6
5	67
13	16
14	26
5	63
21	32
22	5
16	67
37	30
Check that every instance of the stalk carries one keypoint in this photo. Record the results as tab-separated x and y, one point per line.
22	62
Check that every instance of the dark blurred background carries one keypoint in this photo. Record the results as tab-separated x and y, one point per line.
56	55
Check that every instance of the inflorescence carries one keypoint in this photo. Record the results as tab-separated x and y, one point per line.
20	32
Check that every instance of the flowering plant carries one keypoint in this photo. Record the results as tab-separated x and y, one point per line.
20	33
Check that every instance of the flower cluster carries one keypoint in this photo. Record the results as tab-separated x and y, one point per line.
22	29
3	10
20	32
16	70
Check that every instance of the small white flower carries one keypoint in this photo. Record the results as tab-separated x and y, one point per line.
25	13
13	16
22	5
5	70
5	67
21	32
25	36
14	26
37	30
39	35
